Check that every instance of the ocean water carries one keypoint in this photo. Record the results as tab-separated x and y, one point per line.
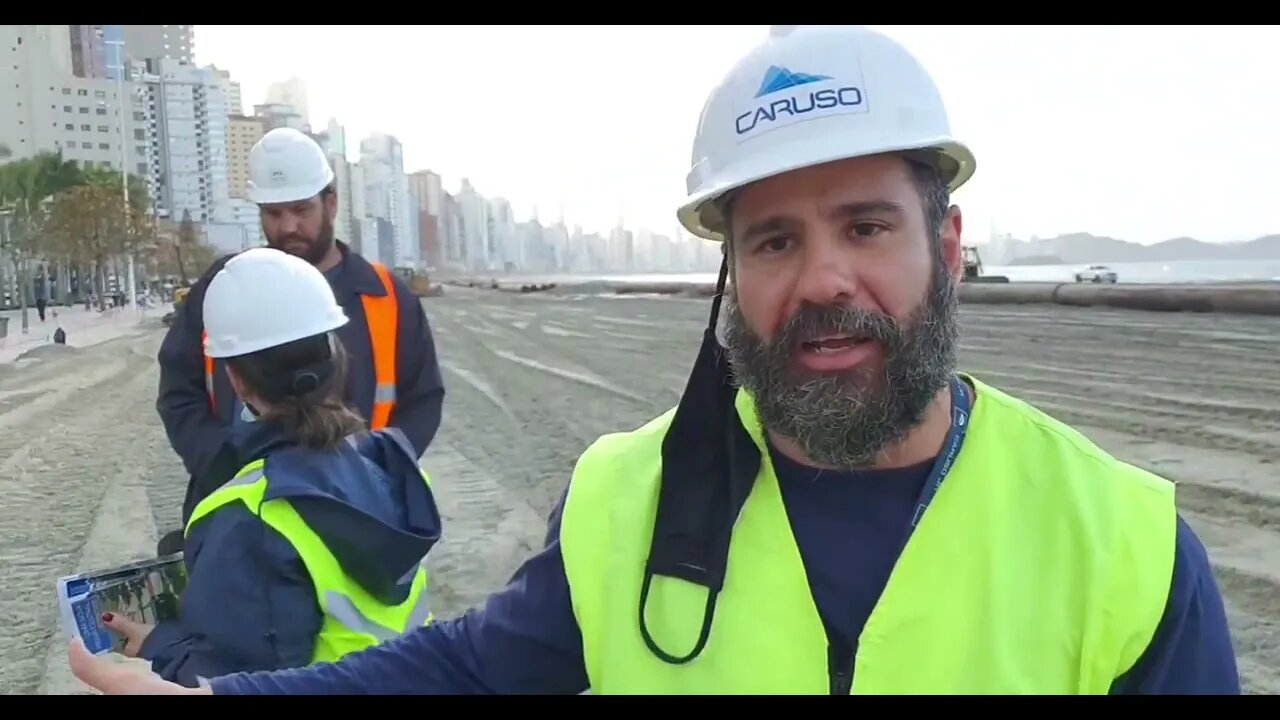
1186	271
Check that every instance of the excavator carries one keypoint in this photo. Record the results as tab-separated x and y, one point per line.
973	268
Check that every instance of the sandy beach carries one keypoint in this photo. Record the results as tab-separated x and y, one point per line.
87	476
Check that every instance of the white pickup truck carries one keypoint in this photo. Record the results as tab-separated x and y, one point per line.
1096	274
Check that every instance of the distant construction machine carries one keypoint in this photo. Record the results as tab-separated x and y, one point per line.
973	268
419	282
179	297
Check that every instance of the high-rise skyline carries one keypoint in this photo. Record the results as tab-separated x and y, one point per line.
186	137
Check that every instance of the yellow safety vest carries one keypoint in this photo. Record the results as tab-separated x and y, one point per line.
1043	566
353	619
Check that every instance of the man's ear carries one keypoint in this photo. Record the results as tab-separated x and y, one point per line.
331	205
952	241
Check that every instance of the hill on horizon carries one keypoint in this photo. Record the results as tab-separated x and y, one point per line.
1085	248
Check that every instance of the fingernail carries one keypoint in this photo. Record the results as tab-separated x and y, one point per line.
106	617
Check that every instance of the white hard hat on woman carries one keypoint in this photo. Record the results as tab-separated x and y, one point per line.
285	365
809	95
245	305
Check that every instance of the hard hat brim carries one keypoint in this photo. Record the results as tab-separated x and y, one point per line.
700	217
215	349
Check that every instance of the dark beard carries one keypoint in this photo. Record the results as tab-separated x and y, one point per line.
316	249
846	420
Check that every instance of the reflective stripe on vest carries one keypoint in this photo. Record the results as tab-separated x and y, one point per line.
1043	566
353	619
382	315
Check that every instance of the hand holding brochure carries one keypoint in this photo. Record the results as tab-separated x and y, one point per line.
146	592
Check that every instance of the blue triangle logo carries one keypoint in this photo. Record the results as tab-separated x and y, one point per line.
778	78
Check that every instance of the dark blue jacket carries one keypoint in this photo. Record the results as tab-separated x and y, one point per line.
249	603
525	639
200	438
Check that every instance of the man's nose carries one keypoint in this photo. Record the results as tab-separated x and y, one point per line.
828	275
288	224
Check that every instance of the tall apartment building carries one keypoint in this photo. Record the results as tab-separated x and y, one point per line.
50	109
230	90
277	115
474	224
187	124
291	92
387	194
89	51
146	42
454	242
619	254
504	250
346	226
242	134
426	202
335	139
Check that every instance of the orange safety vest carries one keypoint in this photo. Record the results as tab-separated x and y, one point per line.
382	316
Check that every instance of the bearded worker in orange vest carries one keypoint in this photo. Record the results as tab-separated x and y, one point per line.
394	376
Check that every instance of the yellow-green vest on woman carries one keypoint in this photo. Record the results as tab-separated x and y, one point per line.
353	619
1043	566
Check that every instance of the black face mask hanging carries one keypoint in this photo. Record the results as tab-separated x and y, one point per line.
709	464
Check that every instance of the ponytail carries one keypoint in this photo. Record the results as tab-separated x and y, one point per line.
304	382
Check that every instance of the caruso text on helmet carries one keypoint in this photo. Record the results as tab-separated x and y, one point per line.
807	95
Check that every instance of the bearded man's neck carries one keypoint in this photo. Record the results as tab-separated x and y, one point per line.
331	258
922	443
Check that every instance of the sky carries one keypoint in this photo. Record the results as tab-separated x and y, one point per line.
1139	133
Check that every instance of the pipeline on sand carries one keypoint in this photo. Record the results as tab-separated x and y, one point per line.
1261	298
1253	299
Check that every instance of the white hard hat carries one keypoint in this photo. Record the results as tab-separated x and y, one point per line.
287	165
808	95
263	298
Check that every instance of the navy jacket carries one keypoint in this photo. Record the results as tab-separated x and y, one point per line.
249	603
200	438
525	639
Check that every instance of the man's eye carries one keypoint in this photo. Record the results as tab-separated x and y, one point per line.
776	244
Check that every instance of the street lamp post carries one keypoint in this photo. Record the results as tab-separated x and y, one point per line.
124	167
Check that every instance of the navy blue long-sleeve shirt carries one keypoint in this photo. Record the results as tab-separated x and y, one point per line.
525	638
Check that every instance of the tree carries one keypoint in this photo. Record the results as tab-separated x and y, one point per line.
87	226
25	187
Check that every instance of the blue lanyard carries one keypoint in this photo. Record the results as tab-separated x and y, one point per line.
960	407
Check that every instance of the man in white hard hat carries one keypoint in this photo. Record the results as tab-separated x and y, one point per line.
831	508
394	377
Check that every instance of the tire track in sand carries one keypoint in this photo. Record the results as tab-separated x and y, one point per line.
517	416
52	489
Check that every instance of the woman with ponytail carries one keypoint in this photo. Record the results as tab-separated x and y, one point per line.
316	547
